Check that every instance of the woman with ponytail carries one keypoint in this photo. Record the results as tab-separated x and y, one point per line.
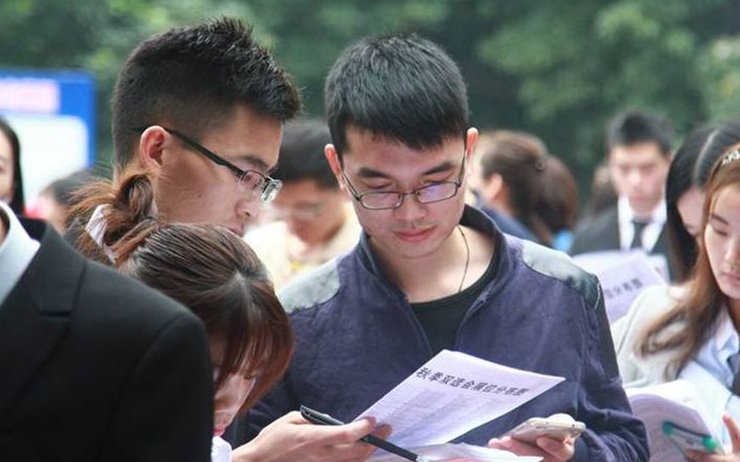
218	277
517	181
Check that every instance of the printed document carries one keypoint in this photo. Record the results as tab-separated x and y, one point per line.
623	281
456	453
596	262
676	402
452	394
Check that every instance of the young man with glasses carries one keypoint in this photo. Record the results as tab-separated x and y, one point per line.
314	220
201	110
431	273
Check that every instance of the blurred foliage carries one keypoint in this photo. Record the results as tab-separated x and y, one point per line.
559	68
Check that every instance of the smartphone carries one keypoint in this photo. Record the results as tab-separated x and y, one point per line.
531	429
685	439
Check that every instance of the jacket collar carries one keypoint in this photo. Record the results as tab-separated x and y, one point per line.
38	309
471	217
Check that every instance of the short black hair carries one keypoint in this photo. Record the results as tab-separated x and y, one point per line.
403	88
192	78
635	127
302	154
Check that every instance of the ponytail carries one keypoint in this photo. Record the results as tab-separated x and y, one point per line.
119	217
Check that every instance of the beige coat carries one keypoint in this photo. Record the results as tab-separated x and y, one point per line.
637	371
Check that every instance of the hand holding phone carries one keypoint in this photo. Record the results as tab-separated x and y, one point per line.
557	426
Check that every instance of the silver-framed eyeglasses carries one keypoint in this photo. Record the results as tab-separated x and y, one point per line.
430	193
250	181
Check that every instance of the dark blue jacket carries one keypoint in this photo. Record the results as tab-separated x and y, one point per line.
357	338
508	224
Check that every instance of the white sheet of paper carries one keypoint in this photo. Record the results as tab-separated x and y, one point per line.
452	394
675	402
456	452
596	262
623	281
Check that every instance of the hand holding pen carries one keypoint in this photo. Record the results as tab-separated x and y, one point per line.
734	454
325	419
291	439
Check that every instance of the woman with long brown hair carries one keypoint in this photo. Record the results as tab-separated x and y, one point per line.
692	332
215	274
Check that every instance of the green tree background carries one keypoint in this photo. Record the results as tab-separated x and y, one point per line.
557	68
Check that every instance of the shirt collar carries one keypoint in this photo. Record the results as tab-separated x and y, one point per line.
626	215
16	252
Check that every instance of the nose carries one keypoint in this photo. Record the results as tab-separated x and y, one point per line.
411	209
293	224
248	208
634	177
732	255
233	393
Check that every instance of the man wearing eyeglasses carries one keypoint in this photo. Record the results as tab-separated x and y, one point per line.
313	219
431	273
206	119
201	109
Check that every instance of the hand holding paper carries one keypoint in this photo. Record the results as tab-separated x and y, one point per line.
734	456
452	394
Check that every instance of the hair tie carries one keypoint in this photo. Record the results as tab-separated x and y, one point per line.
540	164
730	157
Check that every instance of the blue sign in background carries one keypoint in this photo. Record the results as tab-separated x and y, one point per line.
76	97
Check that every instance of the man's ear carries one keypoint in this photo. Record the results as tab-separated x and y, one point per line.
331	156
493	189
470	140
151	147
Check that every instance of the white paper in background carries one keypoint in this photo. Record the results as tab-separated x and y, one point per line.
623	281
596	262
452	394
676	402
456	452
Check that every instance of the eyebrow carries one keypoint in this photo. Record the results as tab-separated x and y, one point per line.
714	216
366	172
256	162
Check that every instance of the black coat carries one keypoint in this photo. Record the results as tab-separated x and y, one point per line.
602	233
97	366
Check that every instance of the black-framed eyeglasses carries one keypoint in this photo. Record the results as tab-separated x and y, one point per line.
384	200
250	181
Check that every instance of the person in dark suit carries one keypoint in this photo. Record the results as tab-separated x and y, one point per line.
638	157
93	364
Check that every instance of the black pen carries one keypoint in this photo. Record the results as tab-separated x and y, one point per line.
325	419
